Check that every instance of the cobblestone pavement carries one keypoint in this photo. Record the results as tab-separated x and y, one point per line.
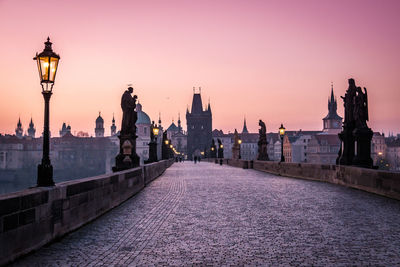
206	214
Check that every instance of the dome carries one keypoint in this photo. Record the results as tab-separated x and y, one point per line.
172	128
142	117
99	119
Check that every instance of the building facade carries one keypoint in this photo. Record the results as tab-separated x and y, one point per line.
143	124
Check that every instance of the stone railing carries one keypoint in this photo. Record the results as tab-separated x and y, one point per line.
375	181
33	217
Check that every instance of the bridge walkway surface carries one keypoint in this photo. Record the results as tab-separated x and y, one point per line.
206	214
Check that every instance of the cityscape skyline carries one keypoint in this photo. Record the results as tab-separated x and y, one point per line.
271	61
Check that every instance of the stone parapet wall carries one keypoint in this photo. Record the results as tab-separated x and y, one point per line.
380	182
34	217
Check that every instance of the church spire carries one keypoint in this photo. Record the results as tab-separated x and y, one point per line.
245	126
179	122
31	129
113	127
19	131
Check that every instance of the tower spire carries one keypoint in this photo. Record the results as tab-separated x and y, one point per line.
179	122
245	126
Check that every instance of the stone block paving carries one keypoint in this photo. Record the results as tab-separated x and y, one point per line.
210	215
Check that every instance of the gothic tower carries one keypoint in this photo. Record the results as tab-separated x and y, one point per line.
19	131
245	127
113	127
332	123
99	130
179	123
199	126
31	129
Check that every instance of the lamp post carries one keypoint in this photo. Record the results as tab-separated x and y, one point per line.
240	143
47	62
153	144
282	133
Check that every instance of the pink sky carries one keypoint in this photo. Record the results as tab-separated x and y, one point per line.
273	60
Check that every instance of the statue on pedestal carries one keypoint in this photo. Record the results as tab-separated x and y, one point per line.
262	142
127	157
236	146
356	137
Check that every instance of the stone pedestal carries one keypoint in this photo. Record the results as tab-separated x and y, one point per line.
127	157
152	152
347	139
363	139
262	150
235	152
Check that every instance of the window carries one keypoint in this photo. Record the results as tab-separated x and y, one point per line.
145	130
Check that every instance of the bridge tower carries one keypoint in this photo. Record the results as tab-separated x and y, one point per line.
199	126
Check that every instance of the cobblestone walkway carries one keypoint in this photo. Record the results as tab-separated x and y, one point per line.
206	214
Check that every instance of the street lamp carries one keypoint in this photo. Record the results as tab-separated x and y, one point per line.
47	62
240	142
153	144
155	132
282	133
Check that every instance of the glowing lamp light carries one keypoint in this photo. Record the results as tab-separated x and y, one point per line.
166	142
202	153
221	146
380	153
170	146
47	62
282	130
212	149
155	131
240	141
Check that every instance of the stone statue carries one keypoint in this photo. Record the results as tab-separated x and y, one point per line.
236	146
262	142
355	137
129	115
361	108
127	157
263	129
348	100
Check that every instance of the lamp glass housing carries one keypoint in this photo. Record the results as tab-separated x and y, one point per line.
240	141
282	130
166	142
155	131
47	63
